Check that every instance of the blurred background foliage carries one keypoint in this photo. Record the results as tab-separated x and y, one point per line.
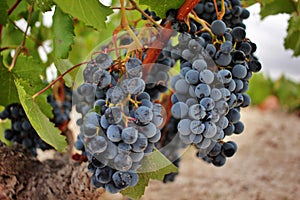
286	92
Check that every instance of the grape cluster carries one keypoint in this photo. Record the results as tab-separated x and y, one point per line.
123	126
234	12
211	86
61	109
120	124
21	130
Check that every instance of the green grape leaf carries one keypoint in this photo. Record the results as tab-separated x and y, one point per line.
43	5
3	12
8	89
63	30
273	7
258	93
20	11
26	68
11	36
45	107
154	166
292	40
38	120
6	124
162	6
91	12
288	93
62	65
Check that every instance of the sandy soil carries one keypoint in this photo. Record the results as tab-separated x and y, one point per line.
266	166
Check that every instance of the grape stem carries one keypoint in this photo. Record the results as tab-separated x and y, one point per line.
220	14
205	25
164	36
115	38
57	79
124	25
135	6
21	48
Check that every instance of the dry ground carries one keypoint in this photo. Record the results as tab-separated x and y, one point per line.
266	166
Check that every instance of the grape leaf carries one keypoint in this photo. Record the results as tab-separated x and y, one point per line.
20	11
3	126
273	7
3	12
154	166
287	93
63	30
28	69
11	35
162	6
258	93
44	105
292	40
44	5
8	89
91	12
38	120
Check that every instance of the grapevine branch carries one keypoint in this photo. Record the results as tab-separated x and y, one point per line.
136	7
57	79
124	25
186	8
35	40
22	46
13	7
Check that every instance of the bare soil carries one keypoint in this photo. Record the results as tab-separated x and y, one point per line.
266	166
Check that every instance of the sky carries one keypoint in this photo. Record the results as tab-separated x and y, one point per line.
269	34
